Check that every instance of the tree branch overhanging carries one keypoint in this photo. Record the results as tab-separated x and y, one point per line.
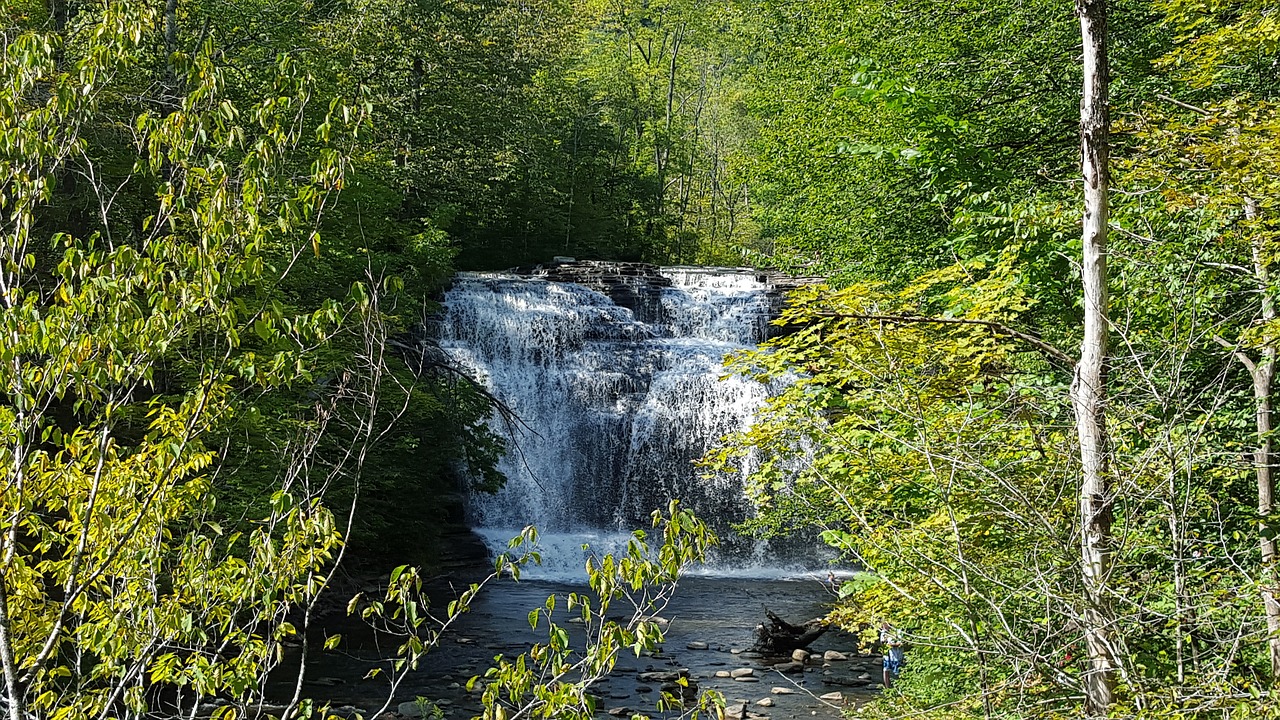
998	328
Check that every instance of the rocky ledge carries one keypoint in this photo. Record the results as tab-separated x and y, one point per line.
633	285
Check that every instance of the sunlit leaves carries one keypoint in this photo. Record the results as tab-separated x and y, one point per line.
129	339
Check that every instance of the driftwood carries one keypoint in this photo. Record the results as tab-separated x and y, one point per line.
780	637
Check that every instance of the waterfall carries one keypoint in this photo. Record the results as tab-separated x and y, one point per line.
615	402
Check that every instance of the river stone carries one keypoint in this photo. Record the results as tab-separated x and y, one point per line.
663	677
799	655
765	702
832	697
746	679
410	709
834	655
742	672
735	651
782	691
864	676
723	674
697	645
620	711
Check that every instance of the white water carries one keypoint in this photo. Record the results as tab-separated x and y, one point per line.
615	409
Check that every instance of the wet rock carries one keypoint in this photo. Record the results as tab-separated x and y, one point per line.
412	709
742	672
782	691
864	676
697	645
832	697
663	677
620	711
765	702
800	655
790	668
751	654
834	656
735	651
723	674
746	679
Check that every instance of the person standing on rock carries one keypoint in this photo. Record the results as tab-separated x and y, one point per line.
894	653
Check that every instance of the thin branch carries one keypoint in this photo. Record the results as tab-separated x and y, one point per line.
1184	106
1237	352
998	328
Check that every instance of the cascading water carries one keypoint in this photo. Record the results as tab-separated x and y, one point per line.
615	403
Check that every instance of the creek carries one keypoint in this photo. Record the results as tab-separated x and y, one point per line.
613	379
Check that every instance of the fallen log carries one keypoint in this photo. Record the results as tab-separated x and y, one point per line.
780	637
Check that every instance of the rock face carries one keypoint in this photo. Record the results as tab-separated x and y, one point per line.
637	286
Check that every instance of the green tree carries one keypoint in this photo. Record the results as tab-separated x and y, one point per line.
143	238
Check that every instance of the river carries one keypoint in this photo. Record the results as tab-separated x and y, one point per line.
721	613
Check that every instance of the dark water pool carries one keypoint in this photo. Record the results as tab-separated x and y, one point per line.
720	613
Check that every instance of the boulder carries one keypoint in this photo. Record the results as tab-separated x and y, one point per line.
800	655
834	656
661	676
411	709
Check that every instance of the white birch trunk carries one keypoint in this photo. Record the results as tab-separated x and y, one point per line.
1088	387
1263	373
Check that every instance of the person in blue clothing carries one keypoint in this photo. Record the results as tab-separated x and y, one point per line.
894	653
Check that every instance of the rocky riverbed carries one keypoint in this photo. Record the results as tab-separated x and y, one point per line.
709	626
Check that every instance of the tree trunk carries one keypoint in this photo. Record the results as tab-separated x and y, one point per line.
1263	373
12	692
1088	389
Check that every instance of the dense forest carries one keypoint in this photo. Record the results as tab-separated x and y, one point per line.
1033	400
